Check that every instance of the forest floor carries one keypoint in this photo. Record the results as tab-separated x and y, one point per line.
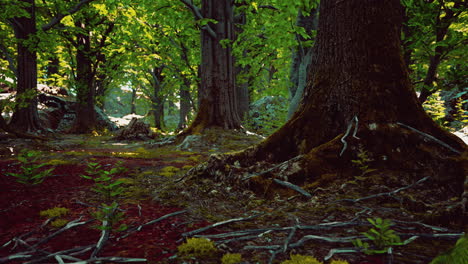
154	188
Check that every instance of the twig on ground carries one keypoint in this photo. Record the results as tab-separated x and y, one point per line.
18	256
105	233
69	225
111	259
386	193
70	252
326	239
299	157
293	187
138	228
193	232
340	250
429	137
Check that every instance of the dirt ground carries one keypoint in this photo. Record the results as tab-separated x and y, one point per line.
268	227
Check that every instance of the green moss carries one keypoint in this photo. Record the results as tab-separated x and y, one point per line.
231	258
54	212
59	222
169	171
56	162
300	259
197	247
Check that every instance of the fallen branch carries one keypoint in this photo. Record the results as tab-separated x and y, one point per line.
299	157
429	137
18	256
111	259
326	239
69	225
138	228
193	232
385	194
62	253
293	187
105	233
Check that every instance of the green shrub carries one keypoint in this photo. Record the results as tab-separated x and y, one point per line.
31	172
300	259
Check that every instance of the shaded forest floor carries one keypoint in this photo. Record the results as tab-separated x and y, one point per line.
154	187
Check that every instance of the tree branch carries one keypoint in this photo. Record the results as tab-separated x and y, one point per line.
196	12
59	17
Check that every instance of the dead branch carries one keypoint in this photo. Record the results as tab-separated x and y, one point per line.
285	163
429	137
69	225
112	259
193	232
62	253
293	187
19	256
386	193
138	228
105	233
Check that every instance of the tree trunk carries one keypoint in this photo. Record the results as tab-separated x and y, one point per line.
442	25
85	121
184	94
301	59
218	96
25	117
133	101
359	97
157	100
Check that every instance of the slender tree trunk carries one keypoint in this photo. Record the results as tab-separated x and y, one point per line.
133	101
442	26
301	59
218	96
241	72
85	120
25	117
157	100
184	94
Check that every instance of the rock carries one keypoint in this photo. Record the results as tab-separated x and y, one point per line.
135	130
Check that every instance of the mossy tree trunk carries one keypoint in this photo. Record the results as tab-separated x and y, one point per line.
217	95
359	78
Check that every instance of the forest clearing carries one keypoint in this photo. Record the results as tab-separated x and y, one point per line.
255	132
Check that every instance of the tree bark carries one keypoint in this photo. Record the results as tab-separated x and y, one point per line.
218	96
25	117
184	94
86	120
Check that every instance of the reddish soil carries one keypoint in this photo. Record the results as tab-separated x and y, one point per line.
20	206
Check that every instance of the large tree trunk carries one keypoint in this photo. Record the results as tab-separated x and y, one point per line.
85	120
359	97
218	98
25	117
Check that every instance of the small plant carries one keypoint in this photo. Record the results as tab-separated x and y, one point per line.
230	258
197	247
55	212
381	235
110	213
31	172
362	161
103	180
339	261
301	259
